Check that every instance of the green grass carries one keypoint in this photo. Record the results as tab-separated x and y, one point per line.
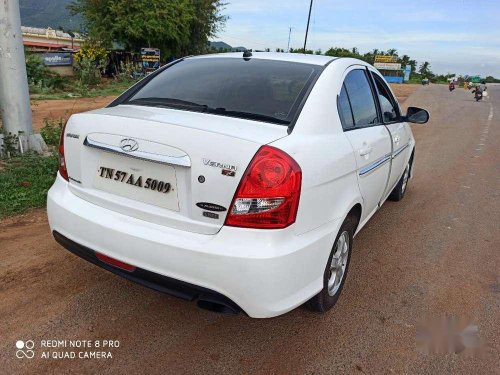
72	90
24	182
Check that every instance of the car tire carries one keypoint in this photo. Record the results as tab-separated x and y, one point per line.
328	296
400	189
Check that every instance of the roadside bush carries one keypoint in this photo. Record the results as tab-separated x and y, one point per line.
89	61
55	81
40	77
10	145
35	69
51	130
127	72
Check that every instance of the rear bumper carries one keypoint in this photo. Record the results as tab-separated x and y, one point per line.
149	279
264	272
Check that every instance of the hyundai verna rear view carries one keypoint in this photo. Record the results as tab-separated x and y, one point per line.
236	182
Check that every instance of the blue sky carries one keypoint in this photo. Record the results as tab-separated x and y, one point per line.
457	36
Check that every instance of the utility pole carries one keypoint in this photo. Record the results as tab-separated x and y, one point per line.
307	28
289	35
14	93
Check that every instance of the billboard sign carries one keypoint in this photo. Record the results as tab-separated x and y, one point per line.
57	59
407	73
150	58
387	66
386	59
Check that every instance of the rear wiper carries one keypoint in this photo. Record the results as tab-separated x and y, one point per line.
247	115
167	102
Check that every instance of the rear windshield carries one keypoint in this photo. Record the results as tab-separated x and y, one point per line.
263	90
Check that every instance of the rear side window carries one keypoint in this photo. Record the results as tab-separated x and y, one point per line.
345	109
361	99
258	89
388	105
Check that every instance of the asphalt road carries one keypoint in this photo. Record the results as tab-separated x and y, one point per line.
435	253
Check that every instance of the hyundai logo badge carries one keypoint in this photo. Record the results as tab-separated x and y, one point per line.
129	145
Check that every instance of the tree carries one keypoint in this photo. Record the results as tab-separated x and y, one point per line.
207	22
177	27
405	60
491	79
341	52
392	52
301	50
425	70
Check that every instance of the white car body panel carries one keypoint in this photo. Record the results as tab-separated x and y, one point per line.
265	272
228	140
236	262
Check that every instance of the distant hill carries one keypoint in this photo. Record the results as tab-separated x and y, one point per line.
223	45
48	13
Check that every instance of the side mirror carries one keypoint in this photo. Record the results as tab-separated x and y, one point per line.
417	115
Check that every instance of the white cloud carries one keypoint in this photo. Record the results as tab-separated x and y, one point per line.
441	35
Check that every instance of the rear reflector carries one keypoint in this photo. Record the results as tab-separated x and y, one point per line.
115	262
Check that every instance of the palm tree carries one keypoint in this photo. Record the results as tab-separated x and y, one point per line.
392	52
425	70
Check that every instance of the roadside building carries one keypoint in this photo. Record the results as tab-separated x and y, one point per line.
55	47
390	68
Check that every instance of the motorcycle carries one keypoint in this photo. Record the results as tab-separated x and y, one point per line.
451	86
478	94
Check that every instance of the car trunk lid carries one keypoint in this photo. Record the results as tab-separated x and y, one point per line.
170	167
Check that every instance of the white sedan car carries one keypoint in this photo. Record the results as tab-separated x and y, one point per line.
236	181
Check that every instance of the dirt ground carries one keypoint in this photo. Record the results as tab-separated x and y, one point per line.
56	109
402	92
435	253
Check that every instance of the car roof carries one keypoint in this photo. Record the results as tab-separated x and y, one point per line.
279	56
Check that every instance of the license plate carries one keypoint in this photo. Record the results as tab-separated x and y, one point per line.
146	182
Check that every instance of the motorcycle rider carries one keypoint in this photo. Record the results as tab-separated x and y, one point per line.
482	86
479	90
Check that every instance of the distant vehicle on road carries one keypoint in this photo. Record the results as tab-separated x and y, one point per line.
480	91
238	181
425	81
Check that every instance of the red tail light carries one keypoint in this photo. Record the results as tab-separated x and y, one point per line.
62	161
268	193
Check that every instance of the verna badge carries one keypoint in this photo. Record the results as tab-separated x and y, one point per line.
227	169
129	145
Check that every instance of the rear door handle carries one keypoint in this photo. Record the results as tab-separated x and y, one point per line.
365	150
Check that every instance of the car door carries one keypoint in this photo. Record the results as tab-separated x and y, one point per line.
400	132
369	138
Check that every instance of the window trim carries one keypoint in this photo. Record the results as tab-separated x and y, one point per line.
392	98
341	115
375	100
